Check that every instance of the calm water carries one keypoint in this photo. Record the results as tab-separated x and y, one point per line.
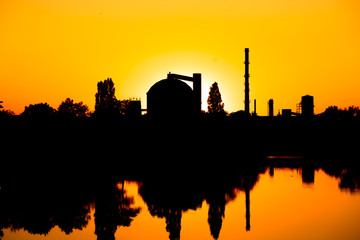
277	203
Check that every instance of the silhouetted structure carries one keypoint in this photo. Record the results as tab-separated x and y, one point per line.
134	109
254	113
307	106
286	113
271	107
247	89
172	98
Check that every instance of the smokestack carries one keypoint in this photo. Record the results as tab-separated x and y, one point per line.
197	91
247	90
255	107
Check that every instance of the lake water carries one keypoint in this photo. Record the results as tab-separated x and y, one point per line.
273	203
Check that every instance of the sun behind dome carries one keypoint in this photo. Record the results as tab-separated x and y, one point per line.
172	98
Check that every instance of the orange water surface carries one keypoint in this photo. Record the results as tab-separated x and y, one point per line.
282	206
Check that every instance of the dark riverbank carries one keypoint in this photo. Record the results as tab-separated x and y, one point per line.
97	147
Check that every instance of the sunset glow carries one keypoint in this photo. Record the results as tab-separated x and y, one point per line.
51	50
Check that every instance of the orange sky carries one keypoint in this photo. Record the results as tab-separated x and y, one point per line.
51	50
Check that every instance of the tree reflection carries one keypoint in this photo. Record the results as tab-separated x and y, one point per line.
350	179
173	224
38	206
112	209
216	215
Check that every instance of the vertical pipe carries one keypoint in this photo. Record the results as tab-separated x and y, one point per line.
247	90
254	107
197	91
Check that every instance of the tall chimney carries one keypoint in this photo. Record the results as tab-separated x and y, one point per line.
255	107
247	90
197	91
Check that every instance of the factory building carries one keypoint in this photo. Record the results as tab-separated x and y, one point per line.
134	109
307	106
173	98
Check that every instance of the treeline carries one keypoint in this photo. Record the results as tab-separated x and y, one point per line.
335	113
106	105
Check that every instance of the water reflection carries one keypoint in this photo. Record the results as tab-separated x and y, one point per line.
39	206
112	209
169	199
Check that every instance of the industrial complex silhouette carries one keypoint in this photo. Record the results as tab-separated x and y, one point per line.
171	98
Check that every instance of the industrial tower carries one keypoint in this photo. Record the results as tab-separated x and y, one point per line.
247	90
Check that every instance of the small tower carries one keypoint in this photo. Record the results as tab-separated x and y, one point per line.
271	107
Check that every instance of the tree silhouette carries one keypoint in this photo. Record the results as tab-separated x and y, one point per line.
38	111
215	104
331	112
122	106
106	103
112	209
105	100
335	113
70	109
353	111
6	114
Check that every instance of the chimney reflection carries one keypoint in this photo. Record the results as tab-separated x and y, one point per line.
247	203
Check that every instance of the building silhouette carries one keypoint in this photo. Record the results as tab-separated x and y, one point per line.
173	98
134	109
307	106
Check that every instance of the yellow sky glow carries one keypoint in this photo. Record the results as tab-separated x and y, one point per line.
51	50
